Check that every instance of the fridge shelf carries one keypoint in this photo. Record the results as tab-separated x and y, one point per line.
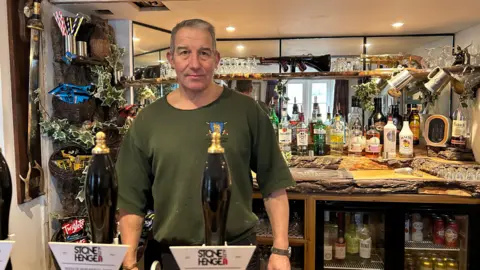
374	264
427	245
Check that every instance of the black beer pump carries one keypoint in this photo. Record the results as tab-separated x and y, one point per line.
216	192
101	190
5	200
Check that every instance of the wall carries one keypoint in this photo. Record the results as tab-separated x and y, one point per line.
27	221
464	38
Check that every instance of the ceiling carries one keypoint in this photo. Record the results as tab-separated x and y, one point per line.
282	18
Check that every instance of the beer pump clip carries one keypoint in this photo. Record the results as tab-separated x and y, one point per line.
211	257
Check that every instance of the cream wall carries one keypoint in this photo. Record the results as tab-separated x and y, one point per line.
464	38
28	221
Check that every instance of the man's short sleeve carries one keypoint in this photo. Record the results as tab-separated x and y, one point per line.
267	161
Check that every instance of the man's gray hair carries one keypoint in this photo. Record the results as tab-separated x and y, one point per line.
193	23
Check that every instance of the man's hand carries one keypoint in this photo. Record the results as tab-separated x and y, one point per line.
278	262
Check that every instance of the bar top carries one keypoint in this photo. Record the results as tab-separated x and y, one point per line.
332	175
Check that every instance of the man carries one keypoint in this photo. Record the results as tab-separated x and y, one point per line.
164	152
246	87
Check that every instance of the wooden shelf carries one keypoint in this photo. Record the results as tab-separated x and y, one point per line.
85	61
294	242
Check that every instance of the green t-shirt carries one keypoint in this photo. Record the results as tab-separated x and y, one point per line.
164	153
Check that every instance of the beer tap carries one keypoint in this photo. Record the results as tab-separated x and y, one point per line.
101	191
216	191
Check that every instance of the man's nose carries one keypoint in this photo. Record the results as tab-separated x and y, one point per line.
194	61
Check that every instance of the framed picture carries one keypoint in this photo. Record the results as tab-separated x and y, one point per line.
257	90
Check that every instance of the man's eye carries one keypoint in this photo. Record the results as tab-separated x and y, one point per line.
183	52
205	53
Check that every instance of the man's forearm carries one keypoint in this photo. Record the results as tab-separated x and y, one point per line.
130	230
277	208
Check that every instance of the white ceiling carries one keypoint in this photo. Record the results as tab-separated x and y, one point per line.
282	18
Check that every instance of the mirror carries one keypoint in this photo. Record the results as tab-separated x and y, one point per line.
251	49
148	45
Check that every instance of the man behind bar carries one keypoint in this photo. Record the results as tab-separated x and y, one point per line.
164	152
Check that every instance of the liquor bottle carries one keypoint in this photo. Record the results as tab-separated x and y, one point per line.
327	243
397	120
409	110
216	192
293	123
354	118
6	199
274	118
285	133
302	136
405	148
377	118
459	126
390	138
328	126
352	239
319	140
340	249
414	122
315	113
355	146
101	190
373	148
365	239
337	136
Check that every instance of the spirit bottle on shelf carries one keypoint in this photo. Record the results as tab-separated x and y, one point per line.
377	118
352	239
328	126
302	136
315	113
285	133
216	192
373	148
293	122
356	142
405	148
414	122
390	138
340	246
459	126
365	239
337	136
319	140
354	117
274	119
101	191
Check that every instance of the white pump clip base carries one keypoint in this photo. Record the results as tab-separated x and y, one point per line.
5	250
77	256
211	257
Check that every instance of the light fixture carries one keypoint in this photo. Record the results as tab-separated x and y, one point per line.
240	47
397	24
135	39
230	29
161	61
368	45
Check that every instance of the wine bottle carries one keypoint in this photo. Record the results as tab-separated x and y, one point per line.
377	118
216	192
101	191
6	200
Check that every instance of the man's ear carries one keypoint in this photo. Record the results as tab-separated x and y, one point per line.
170	59
217	59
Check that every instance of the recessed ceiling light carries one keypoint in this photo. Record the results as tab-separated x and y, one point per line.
240	47
136	39
368	45
398	24
230	29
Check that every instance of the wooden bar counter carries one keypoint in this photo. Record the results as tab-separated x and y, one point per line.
373	182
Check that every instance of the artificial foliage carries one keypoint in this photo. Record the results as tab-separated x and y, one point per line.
365	92
115	59
104	90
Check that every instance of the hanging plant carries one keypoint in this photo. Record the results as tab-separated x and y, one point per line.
365	92
104	90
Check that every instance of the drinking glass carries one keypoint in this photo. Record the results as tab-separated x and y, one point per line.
460	174
470	175
474	53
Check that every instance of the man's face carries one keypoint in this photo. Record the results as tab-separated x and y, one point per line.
194	59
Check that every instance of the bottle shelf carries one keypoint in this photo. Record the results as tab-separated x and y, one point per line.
375	263
427	245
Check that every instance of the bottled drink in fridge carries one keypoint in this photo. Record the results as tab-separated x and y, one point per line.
340	245
327	243
101	190
352	239
5	199
216	192
365	239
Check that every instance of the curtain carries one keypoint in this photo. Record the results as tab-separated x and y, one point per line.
340	98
